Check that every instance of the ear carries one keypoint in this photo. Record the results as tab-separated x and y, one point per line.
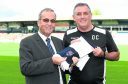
73	17
38	23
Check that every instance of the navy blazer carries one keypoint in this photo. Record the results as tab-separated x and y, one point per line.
36	61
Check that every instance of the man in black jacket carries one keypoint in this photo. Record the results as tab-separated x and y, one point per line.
104	47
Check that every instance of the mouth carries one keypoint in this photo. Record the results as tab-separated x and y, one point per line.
82	20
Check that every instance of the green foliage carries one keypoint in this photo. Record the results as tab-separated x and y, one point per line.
110	22
96	12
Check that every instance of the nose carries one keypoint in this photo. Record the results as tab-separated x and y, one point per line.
49	23
83	15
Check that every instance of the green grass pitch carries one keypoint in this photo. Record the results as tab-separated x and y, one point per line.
116	72
10	71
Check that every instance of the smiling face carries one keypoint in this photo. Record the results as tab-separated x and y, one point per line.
82	16
46	22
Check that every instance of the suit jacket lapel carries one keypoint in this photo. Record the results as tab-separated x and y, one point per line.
42	44
55	42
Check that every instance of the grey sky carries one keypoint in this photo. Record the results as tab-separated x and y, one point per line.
29	9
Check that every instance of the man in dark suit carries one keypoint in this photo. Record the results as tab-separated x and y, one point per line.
37	63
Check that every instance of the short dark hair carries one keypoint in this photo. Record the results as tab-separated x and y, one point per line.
46	9
81	4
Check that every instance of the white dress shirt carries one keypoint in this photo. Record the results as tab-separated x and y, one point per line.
44	39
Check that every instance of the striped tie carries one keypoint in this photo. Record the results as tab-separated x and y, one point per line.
52	52
49	46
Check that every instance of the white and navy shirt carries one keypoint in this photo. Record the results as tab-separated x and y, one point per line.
94	70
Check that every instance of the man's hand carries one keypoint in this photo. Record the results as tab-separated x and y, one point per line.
57	59
75	60
98	52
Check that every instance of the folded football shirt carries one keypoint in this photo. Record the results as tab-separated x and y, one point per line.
69	53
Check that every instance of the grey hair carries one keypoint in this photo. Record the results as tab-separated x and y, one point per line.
81	4
47	10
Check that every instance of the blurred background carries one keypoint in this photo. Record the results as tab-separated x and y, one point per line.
18	19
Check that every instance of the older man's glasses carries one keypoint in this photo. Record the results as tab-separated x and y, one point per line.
48	20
